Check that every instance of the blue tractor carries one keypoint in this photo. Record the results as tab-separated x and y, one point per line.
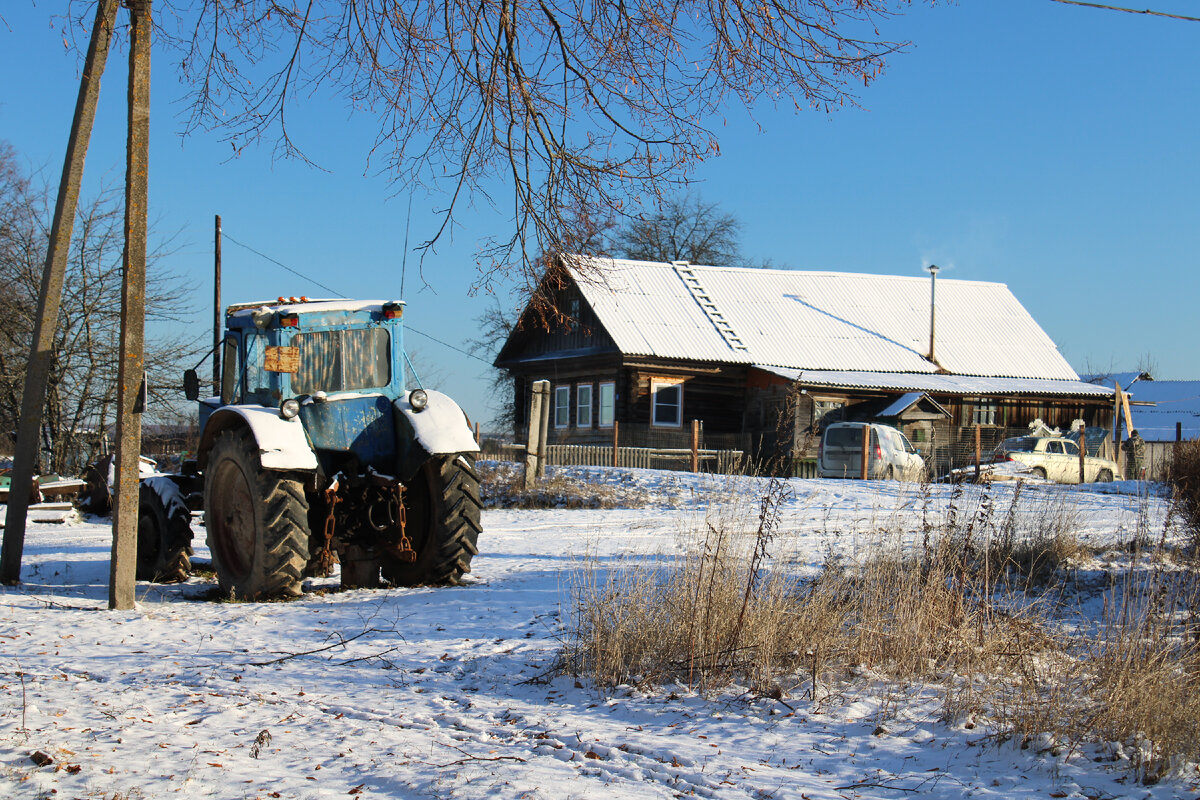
315	453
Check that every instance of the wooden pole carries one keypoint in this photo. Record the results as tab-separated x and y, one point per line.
131	371
1116	433
217	307
58	248
695	445
1082	453
866	451
477	439
534	434
978	450
616	444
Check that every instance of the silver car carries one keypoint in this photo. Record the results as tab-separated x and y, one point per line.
889	453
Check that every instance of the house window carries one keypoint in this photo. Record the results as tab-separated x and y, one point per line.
984	412
608	404
826	412
666	402
583	405
562	406
573	323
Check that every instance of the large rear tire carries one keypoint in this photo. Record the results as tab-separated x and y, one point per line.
164	533
257	521
442	510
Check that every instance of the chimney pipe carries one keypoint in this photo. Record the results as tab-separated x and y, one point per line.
933	271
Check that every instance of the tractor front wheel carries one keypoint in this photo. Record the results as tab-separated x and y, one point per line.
257	521
442	510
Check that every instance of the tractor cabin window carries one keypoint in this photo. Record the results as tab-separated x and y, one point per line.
608	404
583	405
666	402
342	361
562	406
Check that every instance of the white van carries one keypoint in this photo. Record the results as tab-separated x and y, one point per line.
889	453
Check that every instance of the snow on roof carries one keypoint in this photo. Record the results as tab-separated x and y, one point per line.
311	306
970	385
1126	379
906	401
815	320
1175	401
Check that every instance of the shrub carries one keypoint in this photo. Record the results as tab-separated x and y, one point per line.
1183	476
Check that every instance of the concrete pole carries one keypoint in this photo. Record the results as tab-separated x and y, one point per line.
40	351
536	396
132	369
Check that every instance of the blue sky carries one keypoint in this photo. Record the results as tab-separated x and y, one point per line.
1049	147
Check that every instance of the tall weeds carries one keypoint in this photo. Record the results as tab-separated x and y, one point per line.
973	609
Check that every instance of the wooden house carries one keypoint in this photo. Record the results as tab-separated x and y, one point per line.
773	355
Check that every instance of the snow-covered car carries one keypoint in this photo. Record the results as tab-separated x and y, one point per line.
889	454
1054	458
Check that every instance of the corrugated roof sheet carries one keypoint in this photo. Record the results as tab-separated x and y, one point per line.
971	385
1175	401
819	320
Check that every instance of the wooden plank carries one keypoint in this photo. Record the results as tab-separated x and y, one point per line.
281	359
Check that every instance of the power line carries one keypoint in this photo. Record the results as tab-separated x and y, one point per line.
297	273
1129	10
301	275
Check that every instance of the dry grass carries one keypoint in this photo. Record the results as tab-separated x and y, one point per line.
973	610
502	485
1183	476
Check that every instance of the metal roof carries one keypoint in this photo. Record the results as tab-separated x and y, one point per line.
1175	401
815	320
969	385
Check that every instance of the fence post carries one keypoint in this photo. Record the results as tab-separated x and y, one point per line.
616	445
1082	452
477	433
866	454
978	450
533	442
695	445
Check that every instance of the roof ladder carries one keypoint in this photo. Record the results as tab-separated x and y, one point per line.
692	281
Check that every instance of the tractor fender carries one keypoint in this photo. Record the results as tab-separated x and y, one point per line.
441	427
282	444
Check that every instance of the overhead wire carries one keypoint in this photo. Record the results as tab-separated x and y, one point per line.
299	274
1151	12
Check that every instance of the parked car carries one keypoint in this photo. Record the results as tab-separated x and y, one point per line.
889	453
1054	458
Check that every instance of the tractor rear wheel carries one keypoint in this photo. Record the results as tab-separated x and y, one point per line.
257	521
442	510
164	532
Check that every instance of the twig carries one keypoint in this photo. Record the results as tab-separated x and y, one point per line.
339	643
870	785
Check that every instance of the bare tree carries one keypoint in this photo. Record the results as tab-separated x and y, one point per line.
82	389
683	229
564	106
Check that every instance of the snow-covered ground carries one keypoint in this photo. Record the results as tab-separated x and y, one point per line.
450	692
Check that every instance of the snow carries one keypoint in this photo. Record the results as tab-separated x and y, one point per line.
451	692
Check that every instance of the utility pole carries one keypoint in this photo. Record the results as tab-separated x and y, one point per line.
132	369
57	250
217	307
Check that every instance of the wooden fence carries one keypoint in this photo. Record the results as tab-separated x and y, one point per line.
576	455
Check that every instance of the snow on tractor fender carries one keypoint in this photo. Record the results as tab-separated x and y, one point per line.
440	427
281	442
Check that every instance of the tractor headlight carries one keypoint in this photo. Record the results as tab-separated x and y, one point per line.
289	408
418	399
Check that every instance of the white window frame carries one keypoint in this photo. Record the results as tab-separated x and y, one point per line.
583	419
984	411
657	384
611	386
562	406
